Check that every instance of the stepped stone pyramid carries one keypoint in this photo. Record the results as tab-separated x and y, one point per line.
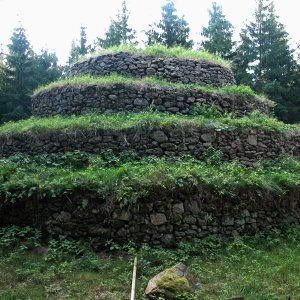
160	218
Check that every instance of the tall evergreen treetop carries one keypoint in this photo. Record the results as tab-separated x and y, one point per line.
218	33
82	48
171	29
119	32
264	47
46	68
264	58
20	69
21	72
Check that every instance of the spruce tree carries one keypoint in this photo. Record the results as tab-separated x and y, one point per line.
19	78
171	30
20	73
2	87
218	33
81	49
119	32
46	67
264	59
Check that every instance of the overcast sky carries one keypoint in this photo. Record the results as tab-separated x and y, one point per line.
54	24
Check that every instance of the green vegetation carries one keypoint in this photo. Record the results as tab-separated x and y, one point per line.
265	60
173	284
81	48
171	30
218	33
119	31
21	72
162	51
127	178
141	121
265	267
115	79
58	269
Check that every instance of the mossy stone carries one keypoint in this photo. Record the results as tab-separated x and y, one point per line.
171	283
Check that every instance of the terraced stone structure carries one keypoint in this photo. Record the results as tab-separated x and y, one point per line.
249	146
135	97
171	69
174	127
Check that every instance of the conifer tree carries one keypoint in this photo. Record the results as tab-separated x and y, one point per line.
264	59
19	78
82	48
20	73
46	67
119	32
218	33
171	30
2	86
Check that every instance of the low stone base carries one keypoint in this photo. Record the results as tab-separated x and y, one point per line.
164	218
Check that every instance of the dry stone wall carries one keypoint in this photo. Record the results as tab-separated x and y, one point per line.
69	99
171	69
163	218
248	146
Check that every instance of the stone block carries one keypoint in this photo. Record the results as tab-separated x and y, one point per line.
207	137
158	219
64	217
159	136
178	208
252	139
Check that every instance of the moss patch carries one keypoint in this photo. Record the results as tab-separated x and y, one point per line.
174	284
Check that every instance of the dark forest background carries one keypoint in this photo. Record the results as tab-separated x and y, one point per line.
262	58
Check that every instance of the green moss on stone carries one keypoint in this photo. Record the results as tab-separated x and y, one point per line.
172	283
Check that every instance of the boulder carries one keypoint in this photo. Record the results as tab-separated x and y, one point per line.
171	283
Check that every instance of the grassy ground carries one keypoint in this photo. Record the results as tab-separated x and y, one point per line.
143	121
231	90
163	51
259	268
128	178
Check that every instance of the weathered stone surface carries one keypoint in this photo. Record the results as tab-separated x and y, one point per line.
252	139
160	136
234	144
64	217
172	69
170	283
228	221
122	215
165	222
140	102
158	218
208	137
178	208
163	217
76	99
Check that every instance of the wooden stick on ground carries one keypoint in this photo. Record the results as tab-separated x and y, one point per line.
133	279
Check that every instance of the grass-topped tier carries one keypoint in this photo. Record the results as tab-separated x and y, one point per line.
114	155
153	200
248	139
115	93
172	64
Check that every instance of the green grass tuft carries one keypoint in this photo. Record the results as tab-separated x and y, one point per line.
115	79
127	178
261	267
162	51
143	120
